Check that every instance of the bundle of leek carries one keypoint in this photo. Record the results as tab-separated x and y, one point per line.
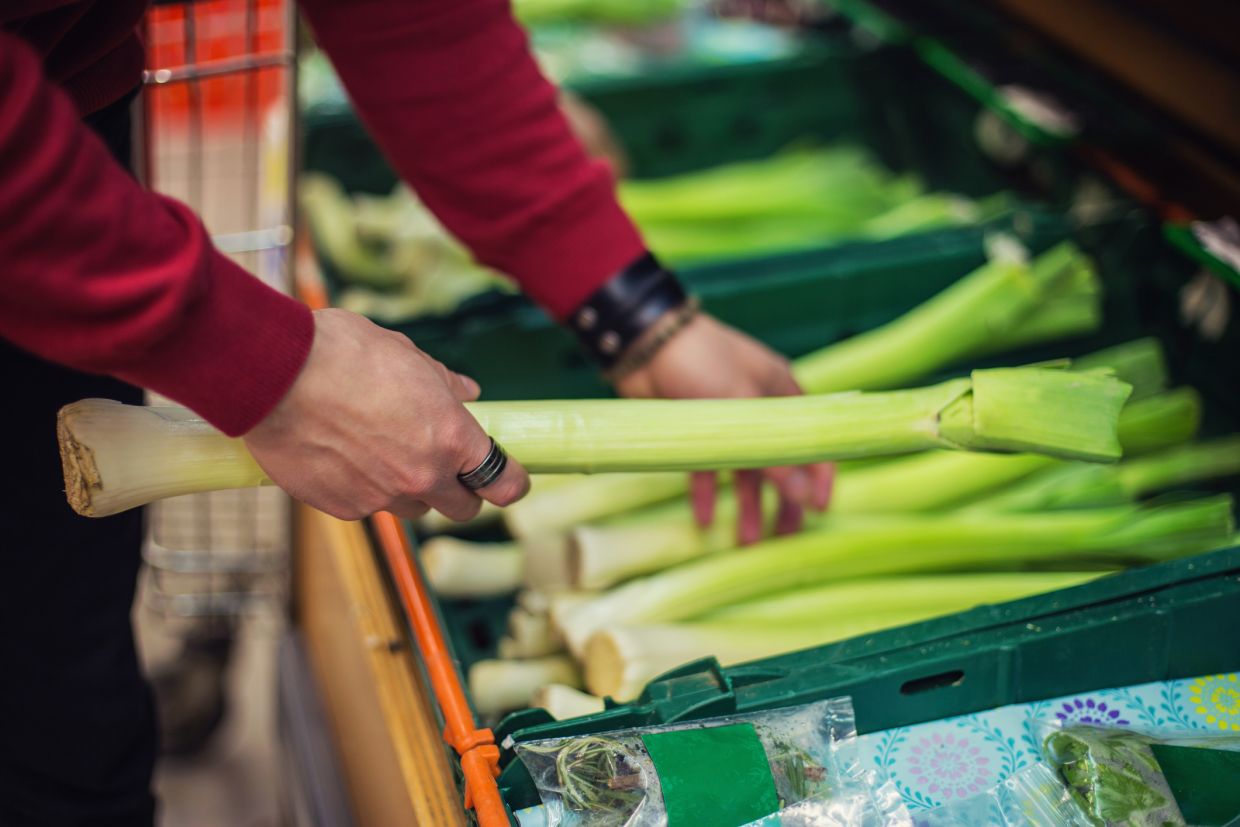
799	198
861	547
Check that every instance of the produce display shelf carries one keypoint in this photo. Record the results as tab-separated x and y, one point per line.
1130	628
836	89
1134	627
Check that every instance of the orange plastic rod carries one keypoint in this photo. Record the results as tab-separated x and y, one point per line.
481	766
479	756
458	717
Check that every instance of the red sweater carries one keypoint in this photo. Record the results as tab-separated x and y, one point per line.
102	275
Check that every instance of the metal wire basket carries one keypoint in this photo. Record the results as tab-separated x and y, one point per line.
218	119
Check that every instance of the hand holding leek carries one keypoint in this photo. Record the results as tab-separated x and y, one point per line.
370	423
709	360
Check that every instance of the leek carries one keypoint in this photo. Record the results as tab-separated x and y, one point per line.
547	510
1025	409
927	594
625	12
564	702
1061	413
1081	485
868	547
796	199
457	568
529	635
958	322
601	555
1143	426
1140	362
496	686
589	500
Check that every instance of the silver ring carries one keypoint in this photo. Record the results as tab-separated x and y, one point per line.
488	471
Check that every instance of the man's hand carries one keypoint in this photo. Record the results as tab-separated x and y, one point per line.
709	360
372	423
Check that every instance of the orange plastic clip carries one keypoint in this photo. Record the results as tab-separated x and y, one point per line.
476	747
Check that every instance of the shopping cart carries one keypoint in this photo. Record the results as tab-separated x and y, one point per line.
218	131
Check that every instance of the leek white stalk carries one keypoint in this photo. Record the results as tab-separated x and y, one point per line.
117	457
564	702
459	568
529	636
497	686
619	661
863	547
546	562
1196	462
1057	412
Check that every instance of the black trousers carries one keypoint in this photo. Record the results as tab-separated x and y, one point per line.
77	720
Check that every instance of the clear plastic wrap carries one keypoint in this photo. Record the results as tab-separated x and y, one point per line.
758	762
870	805
1120	776
1031	797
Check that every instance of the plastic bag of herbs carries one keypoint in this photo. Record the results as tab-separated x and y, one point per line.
716	772
1148	778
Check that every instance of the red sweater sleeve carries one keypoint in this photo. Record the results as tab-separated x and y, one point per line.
452	94
102	275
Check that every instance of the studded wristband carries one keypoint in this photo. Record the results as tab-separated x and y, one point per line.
616	315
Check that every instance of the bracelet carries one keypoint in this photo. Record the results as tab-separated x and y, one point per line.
644	350
620	312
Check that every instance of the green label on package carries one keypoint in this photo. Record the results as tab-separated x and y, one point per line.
1205	782
716	777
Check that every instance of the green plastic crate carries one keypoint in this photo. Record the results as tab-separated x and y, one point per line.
882	97
1173	620
684	117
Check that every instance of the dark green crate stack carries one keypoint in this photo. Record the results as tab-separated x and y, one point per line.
1173	620
881	97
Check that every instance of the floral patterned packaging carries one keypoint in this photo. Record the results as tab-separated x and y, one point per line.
1031	797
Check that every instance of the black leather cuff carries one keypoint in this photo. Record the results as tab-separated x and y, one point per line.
620	311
